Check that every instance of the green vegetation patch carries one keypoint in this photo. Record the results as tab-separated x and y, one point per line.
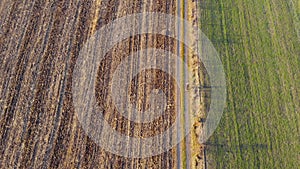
259	46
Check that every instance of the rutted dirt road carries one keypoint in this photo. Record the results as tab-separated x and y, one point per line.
39	44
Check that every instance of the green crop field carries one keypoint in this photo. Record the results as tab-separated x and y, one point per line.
258	42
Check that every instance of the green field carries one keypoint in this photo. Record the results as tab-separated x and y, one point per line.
259	46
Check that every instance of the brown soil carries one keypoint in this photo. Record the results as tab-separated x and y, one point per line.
39	44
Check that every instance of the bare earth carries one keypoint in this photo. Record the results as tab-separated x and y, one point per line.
39	44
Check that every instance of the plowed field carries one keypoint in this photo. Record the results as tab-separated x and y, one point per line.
40	41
